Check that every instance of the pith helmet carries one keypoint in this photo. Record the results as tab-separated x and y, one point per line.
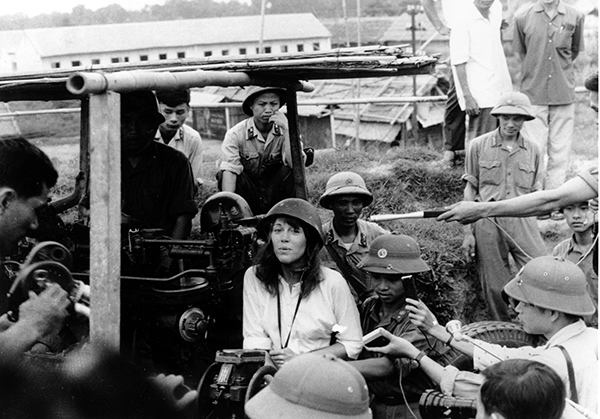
552	283
514	103
142	101
393	254
313	386
254	91
296	208
345	183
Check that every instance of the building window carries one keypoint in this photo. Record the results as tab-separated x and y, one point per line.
300	47
55	65
115	60
143	58
207	53
284	48
242	51
95	60
225	52
267	50
75	63
126	59
181	55
316	46
257	50
162	56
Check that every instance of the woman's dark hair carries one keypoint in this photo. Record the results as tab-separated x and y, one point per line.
268	267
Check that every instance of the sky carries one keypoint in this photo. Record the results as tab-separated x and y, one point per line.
37	7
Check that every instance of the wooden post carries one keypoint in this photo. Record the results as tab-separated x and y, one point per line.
332	124
296	147
105	234
84	154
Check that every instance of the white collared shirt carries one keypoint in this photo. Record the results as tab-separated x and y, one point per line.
581	343
476	42
329	304
188	141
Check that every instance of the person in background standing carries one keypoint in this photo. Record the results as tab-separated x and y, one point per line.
454	117
174	105
548	37
499	165
479	63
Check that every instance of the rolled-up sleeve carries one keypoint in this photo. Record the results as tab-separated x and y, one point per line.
347	316
472	164
255	336
459	45
460	383
486	354
230	149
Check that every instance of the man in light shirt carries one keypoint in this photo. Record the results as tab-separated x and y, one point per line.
478	63
174	105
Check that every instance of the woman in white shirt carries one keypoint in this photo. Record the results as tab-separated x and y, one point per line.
292	304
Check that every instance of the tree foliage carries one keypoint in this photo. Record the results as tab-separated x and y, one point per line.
197	9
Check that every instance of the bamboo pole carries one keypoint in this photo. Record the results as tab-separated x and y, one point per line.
127	81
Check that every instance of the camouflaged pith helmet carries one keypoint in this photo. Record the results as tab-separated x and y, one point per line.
296	208
345	183
552	283
393	254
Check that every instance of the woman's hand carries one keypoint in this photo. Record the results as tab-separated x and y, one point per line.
397	347
281	356
420	315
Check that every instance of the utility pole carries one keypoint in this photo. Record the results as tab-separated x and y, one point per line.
263	6
357	108
413	10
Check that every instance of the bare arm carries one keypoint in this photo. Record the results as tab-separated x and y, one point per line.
374	368
183	226
400	347
228	181
469	242
471	106
434	18
39	316
336	349
536	203
424	319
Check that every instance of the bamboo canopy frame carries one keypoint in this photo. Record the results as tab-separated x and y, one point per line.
99	87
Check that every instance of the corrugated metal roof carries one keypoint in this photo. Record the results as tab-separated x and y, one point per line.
378	122
50	42
380	30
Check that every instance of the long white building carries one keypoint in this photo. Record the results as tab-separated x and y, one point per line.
86	46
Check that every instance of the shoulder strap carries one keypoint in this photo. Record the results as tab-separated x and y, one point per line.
571	372
348	272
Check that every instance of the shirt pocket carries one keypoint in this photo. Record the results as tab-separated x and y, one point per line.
564	37
250	161
525	176
490	172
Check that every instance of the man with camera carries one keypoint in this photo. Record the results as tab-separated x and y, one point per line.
25	179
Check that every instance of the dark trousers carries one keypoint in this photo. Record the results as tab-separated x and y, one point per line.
454	121
261	194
